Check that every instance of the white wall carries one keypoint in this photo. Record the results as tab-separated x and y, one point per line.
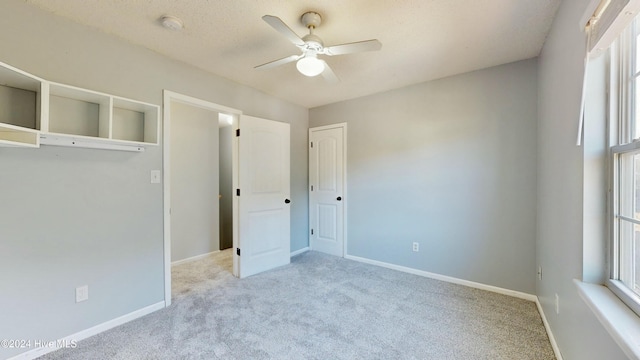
195	219
71	217
450	164
561	210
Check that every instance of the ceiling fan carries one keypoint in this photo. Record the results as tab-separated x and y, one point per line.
311	46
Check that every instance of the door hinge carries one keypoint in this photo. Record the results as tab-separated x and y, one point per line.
312	144
238	251
237	192
311	231
311	187
237	132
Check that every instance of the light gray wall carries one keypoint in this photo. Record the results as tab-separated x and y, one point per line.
450	164
195	222
561	172
226	187
71	217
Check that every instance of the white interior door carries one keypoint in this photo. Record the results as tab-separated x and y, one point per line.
264	195
327	163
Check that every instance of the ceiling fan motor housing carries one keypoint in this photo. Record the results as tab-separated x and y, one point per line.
313	42
311	19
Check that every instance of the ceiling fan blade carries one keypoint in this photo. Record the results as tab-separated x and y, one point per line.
283	29
279	62
328	74
360	46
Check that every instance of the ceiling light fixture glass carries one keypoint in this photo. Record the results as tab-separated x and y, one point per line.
310	65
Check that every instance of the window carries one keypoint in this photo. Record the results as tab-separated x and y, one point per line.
625	245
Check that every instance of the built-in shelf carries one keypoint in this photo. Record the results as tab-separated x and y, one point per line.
85	118
20	105
34	111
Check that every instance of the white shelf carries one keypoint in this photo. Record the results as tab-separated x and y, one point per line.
85	118
34	111
16	136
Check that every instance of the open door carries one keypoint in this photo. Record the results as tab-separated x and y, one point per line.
264	195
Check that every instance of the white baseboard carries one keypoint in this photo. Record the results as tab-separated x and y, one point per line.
552	339
81	335
298	252
495	289
193	258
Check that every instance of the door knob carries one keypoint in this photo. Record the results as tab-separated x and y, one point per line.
286	201
339	198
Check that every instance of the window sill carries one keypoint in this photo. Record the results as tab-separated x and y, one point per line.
620	322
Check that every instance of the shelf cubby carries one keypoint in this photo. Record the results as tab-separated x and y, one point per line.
75	111
135	121
20	107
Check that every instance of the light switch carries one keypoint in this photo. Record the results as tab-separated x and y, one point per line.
82	293
155	176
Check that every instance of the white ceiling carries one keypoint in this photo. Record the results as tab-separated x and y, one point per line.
421	39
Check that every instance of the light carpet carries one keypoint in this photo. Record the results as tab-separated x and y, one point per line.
322	307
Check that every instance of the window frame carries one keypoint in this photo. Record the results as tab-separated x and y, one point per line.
625	75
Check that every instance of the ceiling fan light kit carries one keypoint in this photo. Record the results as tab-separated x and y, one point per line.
312	45
310	66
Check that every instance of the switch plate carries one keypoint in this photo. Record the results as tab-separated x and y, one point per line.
82	293
155	176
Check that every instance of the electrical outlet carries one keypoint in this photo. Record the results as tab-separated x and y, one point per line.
416	247
539	272
557	304
82	293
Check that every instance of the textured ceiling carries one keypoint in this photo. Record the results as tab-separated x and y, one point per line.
421	39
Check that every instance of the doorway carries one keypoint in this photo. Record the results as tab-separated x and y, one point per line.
260	215
191	175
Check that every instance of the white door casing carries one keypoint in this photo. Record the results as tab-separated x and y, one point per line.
264	195
170	98
327	189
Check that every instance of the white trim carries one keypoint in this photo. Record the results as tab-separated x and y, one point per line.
620	322
298	252
95	330
547	327
449	279
194	258
168	97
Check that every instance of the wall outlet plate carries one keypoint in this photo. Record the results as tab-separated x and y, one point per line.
416	247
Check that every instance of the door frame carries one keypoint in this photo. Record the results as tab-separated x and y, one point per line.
343	126
168	98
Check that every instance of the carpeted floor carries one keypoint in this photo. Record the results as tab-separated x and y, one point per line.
322	307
